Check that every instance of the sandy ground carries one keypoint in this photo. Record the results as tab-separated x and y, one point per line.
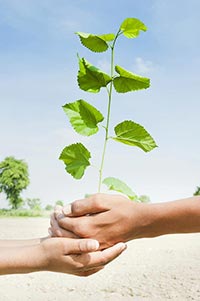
164	268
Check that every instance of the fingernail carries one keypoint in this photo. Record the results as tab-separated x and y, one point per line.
59	216
93	244
67	209
122	246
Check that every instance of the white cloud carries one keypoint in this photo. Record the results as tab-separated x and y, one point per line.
104	64
142	66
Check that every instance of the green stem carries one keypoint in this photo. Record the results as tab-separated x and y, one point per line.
108	112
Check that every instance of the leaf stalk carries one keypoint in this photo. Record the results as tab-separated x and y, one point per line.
108	111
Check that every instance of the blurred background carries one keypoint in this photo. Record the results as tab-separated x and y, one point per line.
38	69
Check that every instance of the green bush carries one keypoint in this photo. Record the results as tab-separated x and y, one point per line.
34	204
59	203
48	207
21	213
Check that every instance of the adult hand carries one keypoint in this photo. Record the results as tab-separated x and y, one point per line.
77	256
110	219
107	218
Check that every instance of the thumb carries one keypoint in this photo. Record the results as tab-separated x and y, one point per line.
96	203
76	246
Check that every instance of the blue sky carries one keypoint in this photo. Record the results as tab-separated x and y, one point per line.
38	75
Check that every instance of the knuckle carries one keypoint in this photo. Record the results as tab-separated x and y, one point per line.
75	207
81	229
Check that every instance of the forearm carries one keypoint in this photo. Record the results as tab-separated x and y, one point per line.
113	218
20	243
182	216
21	260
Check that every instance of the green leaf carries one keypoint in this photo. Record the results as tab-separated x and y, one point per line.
128	81
108	37
76	158
83	117
131	27
117	185
90	78
96	43
131	133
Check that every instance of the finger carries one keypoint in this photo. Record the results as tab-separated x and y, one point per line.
52	219
94	204
56	231
50	232
102	258
89	272
67	210
58	213
55	228
62	233
74	225
77	246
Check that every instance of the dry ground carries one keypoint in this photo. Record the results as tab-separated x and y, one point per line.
165	268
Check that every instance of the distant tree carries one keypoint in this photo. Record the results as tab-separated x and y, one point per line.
59	202
48	207
34	204
197	192
14	178
144	199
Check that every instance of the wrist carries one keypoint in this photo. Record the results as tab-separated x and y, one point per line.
17	260
146	220
180	216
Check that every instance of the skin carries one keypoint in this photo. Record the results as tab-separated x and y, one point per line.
79	257
114	218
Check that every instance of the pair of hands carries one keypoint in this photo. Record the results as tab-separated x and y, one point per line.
84	244
107	218
92	232
89	233
79	257
113	218
68	255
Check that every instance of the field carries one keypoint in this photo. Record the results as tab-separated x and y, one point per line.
165	268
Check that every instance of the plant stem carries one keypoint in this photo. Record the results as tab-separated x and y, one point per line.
108	112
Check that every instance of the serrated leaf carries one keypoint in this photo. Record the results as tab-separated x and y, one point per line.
128	81
83	117
96	43
131	133
108	37
93	42
76	158
131	27
90	78
117	185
